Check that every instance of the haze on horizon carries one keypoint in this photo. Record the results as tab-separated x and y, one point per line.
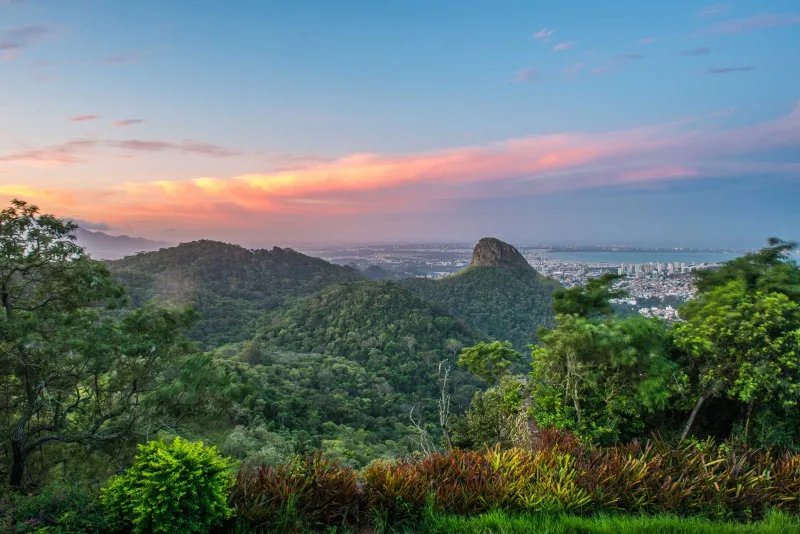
638	123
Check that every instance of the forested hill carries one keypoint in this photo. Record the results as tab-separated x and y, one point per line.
499	294
390	332
232	287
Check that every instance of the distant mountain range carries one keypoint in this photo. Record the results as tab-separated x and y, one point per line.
102	246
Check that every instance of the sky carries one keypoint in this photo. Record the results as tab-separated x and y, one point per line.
268	122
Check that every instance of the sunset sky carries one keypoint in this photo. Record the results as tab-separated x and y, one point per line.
306	121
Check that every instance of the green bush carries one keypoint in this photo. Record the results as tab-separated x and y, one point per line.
181	487
58	508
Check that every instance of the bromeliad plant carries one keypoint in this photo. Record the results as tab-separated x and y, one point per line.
310	492
560	475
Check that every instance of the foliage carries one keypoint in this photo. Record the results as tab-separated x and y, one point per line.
602	379
56	508
741	336
73	372
591	301
694	480
503	302
181	487
384	346
497	415
308	492
489	361
233	288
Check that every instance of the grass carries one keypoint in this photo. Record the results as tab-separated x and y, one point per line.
503	523
499	522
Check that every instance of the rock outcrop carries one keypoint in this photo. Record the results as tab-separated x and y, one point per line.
491	252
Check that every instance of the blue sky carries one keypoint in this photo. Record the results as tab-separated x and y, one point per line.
287	121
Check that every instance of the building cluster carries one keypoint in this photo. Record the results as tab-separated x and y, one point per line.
640	270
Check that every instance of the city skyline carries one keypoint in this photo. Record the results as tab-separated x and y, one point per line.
666	124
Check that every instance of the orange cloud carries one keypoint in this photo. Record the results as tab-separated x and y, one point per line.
371	183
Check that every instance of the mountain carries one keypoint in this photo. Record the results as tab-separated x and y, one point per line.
499	293
102	246
232	287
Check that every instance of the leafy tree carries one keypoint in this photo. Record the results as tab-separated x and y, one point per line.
489	361
602	379
741	333
591	301
72	373
742	345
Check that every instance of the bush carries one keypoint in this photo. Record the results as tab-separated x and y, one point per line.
58	508
181	487
310	492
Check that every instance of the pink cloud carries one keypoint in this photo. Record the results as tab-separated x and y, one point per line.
543	34
565	46
751	24
123	58
525	75
83	118
127	122
728	70
575	68
647	40
689	148
80	150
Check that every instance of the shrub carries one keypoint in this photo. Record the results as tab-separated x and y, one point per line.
310	492
58	508
181	487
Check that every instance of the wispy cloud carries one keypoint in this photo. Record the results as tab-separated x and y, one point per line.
750	24
565	45
647	40
575	68
83	118
683	149
713	11
611	64
121	59
543	34
80	151
700	51
630	57
20	37
525	75
127	122
727	70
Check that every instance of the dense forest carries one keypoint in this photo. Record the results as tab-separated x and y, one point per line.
342	402
506	302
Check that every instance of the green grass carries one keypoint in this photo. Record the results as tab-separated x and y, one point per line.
503	523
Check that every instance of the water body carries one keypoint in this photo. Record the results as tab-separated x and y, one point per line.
616	258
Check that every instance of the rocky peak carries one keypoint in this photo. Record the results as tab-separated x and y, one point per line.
491	252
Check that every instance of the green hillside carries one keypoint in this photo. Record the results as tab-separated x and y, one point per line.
392	333
506	301
232	287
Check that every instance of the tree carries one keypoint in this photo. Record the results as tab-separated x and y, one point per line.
591	301
489	361
601	378
741	333
742	345
73	372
